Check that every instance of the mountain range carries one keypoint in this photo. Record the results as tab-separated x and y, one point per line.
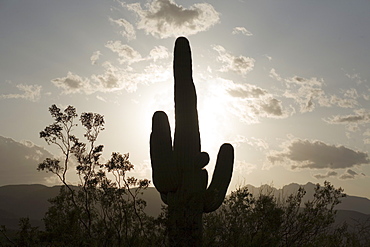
31	201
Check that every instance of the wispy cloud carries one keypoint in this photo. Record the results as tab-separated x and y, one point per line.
367	136
317	155
243	167
238	64
361	117
343	102
158	52
126	53
95	57
251	102
116	78
308	93
273	74
128	29
28	92
257	143
113	79
241	30
165	18
73	83
354	77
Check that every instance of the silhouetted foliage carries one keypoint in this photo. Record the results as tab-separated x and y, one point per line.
263	220
99	211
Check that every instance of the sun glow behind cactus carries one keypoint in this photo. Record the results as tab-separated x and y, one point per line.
212	127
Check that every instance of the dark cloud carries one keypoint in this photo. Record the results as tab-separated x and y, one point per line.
28	92
19	160
165	18
318	155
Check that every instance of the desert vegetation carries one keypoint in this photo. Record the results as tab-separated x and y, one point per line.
105	208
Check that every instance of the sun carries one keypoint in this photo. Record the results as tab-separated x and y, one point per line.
214	119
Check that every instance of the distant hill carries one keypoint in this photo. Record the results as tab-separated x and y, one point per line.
17	201
31	201
352	203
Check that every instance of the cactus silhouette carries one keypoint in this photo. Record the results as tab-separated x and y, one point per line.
178	170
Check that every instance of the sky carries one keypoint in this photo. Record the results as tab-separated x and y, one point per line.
286	82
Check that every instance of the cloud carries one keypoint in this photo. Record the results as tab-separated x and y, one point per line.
243	167
73	83
251	102
165	18
355	77
159	52
247	91
275	75
29	92
126	53
361	116
351	93
239	64
19	160
327	175
367	133
306	92
350	174
128	29
268	57
110	80
304	81
344	102
101	98
241	30
95	57
317	155
120	78
116	79
260	144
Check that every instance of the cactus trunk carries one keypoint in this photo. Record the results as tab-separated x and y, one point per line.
178	171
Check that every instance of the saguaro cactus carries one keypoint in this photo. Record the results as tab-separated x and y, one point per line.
178	170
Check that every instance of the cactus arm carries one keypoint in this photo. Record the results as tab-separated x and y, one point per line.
161	154
216	191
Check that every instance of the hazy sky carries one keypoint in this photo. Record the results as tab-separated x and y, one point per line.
286	82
